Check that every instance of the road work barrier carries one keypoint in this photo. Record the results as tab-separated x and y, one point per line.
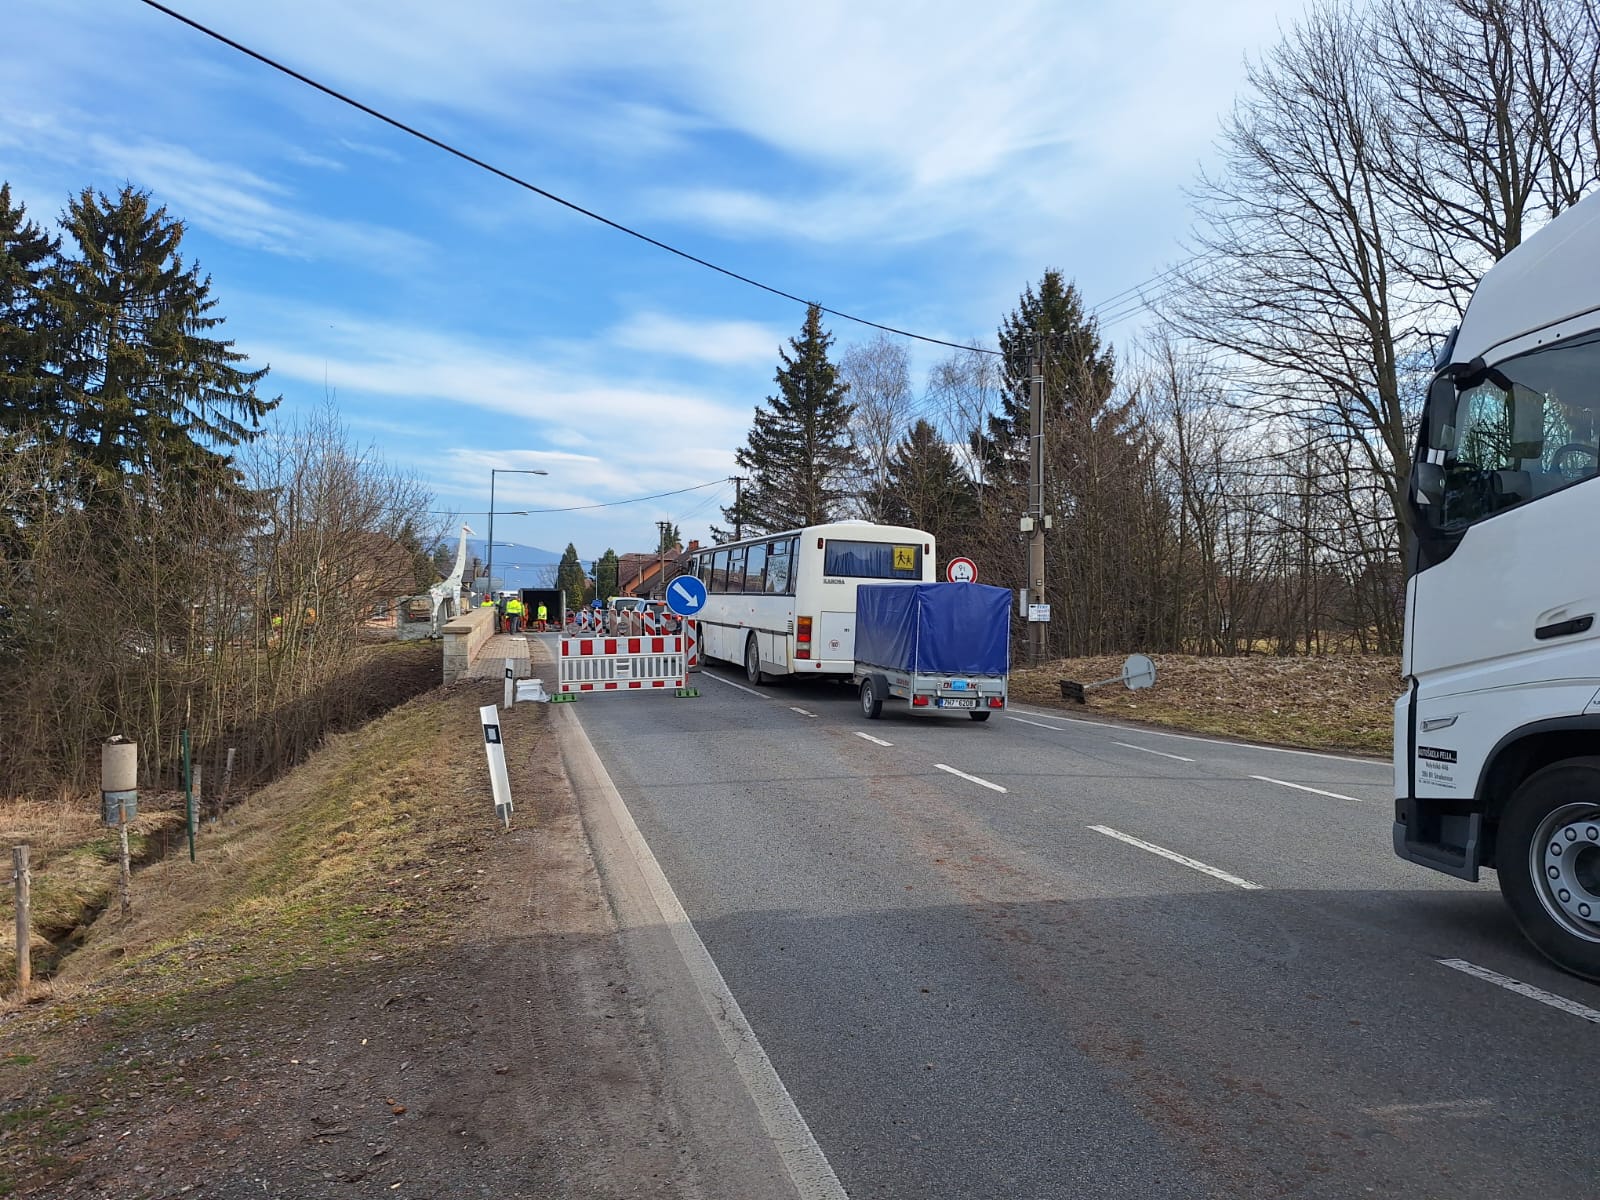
623	664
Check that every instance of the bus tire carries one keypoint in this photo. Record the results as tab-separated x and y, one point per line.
979	716
1548	855
752	662
873	688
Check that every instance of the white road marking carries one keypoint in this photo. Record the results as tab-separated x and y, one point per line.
1035	724
806	1165
876	741
1429	1110
1300	787
1520	988
801	711
1110	727
1147	750
993	787
1182	859
732	684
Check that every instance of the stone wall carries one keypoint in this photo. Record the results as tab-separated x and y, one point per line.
463	638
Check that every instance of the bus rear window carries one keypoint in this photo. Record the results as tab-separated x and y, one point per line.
872	560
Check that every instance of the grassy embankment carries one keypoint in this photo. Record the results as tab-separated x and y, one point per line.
359	853
1335	702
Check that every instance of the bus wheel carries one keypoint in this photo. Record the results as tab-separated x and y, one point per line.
979	716
872	697
752	662
1548	856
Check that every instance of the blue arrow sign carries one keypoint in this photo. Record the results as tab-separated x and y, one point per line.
686	595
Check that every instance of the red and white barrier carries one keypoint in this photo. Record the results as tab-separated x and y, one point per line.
621	664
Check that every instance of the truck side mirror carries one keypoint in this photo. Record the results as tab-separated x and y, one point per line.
1427	482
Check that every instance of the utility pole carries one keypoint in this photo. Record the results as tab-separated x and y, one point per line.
738	508
1036	629
662	529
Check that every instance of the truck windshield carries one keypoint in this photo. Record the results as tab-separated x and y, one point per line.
1508	435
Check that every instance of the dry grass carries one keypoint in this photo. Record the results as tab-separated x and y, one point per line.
1334	702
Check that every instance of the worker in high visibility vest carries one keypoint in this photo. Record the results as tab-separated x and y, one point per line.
514	615
544	616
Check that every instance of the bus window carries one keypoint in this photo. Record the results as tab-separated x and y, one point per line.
702	570
736	569
719	572
755	565
872	560
778	560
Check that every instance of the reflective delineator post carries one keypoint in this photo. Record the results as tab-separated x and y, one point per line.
499	780
511	683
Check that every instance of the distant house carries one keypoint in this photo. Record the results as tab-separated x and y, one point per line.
640	574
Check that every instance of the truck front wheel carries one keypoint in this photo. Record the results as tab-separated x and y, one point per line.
1548	851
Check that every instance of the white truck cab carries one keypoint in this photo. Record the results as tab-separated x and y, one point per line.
1497	737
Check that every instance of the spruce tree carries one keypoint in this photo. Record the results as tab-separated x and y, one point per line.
928	489
141	378
605	574
798	451
570	578
27	325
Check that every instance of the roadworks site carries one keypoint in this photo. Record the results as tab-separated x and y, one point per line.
364	984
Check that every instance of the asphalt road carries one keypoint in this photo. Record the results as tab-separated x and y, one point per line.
972	992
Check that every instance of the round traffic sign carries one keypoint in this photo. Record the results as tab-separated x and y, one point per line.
961	570
686	596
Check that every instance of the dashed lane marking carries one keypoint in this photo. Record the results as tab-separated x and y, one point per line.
1147	750
801	711
1300	787
1521	989
876	741
1182	859
993	787
1036	724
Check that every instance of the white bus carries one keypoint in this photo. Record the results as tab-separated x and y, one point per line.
785	603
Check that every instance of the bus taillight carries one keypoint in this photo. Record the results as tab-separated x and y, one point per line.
802	637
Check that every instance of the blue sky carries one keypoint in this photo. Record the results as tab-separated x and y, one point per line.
916	162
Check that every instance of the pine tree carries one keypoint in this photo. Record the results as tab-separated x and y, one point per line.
798	450
605	574
27	324
928	489
570	578
141	379
670	539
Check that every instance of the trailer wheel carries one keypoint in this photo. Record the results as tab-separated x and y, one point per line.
752	662
979	716
1548	852
871	697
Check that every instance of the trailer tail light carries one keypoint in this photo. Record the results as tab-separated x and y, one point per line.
997	702
802	637
919	702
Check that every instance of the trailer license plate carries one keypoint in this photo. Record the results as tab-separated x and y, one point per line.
958	702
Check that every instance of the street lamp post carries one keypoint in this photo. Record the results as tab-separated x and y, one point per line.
493	471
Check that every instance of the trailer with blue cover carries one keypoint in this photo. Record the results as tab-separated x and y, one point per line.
937	646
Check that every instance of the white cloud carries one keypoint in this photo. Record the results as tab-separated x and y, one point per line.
720	343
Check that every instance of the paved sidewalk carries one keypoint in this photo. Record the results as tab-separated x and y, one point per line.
491	660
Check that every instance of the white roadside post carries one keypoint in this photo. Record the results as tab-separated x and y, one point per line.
511	683
495	748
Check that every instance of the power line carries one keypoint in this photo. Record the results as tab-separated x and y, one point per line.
528	512
534	188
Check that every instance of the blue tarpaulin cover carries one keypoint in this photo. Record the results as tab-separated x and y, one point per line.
934	628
